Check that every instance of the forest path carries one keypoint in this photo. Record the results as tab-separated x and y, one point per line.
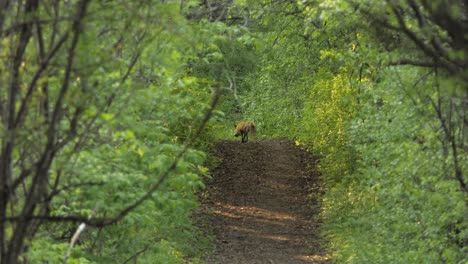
259	207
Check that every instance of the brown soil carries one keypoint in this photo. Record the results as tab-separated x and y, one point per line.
259	204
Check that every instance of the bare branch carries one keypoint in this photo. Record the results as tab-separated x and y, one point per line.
449	139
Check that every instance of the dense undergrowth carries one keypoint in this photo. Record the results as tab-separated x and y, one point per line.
96	134
391	137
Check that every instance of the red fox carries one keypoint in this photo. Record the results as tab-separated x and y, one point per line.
243	129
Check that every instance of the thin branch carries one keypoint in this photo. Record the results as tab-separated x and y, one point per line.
139	252
4	4
72	131
39	179
420	43
100	222
23	175
451	141
427	64
17	26
76	28
56	191
32	85
10	131
171	168
417	11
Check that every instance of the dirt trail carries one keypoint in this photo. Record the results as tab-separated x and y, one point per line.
258	204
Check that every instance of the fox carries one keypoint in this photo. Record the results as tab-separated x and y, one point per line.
243	129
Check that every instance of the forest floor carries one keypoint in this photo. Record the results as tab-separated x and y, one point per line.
262	204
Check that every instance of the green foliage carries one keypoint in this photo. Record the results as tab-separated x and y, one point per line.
227	55
331	104
399	207
385	135
141	143
115	106
139	104
272	96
